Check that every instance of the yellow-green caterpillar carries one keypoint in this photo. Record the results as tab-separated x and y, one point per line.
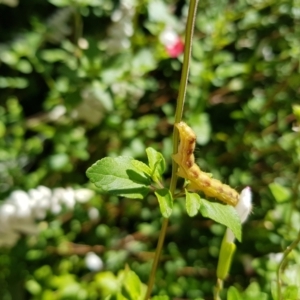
189	170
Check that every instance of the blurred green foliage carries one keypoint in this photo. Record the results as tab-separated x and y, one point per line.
85	79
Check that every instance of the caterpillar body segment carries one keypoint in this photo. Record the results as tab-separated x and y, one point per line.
185	154
198	179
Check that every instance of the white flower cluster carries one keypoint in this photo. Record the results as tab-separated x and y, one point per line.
20	210
122	29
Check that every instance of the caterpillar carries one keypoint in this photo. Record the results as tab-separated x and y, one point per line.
189	170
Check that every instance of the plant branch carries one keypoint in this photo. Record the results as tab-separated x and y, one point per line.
178	115
286	252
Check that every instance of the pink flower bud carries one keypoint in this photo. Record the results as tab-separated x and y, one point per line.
172	42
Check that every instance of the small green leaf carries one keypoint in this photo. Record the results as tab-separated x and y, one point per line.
279	192
157	163
296	111
107	282
58	161
192	203
119	176
223	214
142	167
253	291
33	287
165	200
231	69
233	294
132	285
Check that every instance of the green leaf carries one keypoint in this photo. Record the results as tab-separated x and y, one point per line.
33	287
280	193
119	176
143	61
165	200
253	292
160	298
132	285
157	163
231	69
142	167
201	125
107	282
291	292
119	296
233	294
223	214
54	55
296	111
58	161
192	203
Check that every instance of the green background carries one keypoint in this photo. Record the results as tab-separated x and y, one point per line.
85	79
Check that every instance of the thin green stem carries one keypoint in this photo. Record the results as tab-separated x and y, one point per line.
178	115
77	25
292	246
286	252
218	288
156	257
186	61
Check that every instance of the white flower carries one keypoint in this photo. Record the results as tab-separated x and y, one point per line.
7	213
20	210
93	213
68	198
168	37
83	195
56	200
276	257
39	200
22	202
93	262
8	239
243	208
57	112
122	27
26	226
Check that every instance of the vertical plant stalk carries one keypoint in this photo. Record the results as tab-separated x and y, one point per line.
178	115
292	246
286	252
218	289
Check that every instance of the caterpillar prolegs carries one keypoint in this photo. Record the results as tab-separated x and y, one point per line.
189	170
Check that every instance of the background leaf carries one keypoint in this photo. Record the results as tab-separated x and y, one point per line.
132	285
280	193
157	163
165	200
233	294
